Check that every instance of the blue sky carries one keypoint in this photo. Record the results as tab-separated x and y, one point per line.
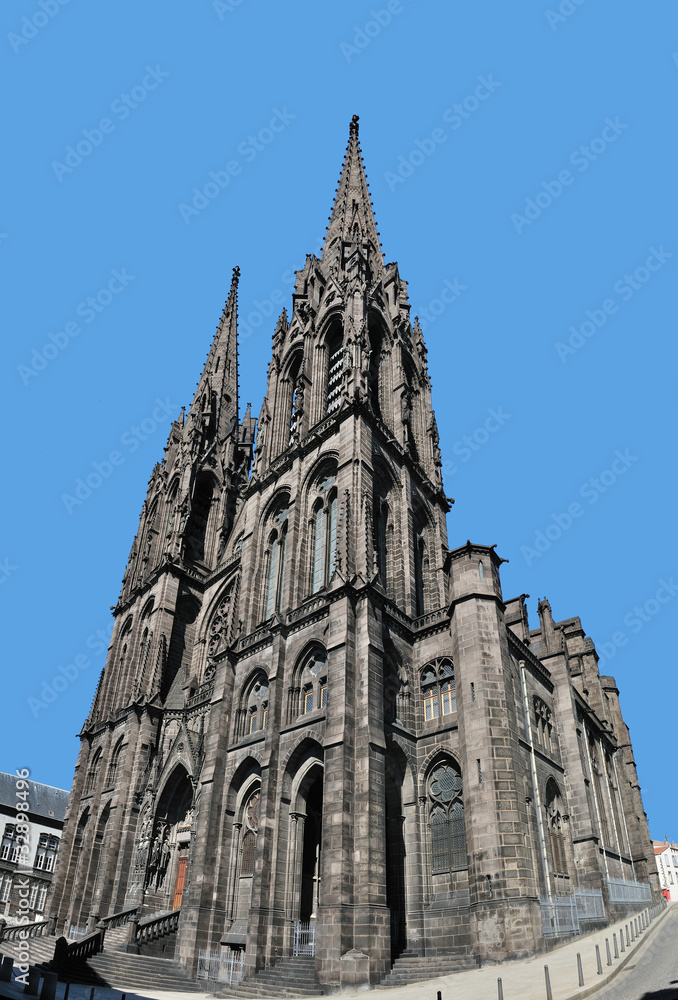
521	159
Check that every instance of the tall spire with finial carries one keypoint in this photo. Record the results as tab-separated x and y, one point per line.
352	219
216	396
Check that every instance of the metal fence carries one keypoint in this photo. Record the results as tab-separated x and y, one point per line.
590	904
221	967
304	938
559	916
623	891
75	932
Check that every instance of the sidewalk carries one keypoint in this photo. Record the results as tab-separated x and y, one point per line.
522	980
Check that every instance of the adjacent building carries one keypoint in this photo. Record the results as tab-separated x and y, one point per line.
31	835
320	727
666	857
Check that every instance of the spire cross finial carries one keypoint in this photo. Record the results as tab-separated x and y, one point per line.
353	127
236	276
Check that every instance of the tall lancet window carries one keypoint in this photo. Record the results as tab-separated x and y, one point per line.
324	529
335	364
275	577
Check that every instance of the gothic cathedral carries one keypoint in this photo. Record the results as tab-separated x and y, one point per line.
319	729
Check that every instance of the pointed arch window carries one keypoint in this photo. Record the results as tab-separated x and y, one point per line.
93	772
275	576
309	691
555	825
438	689
335	364
446	818
324	533
114	763
251	827
256	709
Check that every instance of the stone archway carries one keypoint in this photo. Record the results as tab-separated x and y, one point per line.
167	869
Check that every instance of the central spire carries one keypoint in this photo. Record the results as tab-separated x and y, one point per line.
352	218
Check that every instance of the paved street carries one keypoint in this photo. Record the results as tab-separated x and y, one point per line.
654	976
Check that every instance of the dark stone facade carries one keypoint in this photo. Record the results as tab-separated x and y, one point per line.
312	710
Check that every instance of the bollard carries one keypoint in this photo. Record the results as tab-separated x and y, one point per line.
500	990
439	996
67	991
91	994
621	939
627	936
599	964
580	971
633	937
49	986
6	969
616	949
549	994
635	921
607	949
32	987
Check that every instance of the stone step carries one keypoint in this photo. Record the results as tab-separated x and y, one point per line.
294	978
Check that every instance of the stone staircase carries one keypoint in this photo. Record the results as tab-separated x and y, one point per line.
293	978
413	968
40	949
132	973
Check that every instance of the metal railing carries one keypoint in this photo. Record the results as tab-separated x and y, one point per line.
623	891
75	932
559	916
304	937
216	967
590	905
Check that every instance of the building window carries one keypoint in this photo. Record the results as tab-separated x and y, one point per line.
438	689
32	896
42	896
6	890
309	690
446	819
46	853
249	840
555	825
324	533
256	705
543	725
9	850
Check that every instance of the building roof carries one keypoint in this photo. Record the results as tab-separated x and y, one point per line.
43	800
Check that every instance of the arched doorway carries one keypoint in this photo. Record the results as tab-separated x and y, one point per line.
169	854
395	865
310	865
